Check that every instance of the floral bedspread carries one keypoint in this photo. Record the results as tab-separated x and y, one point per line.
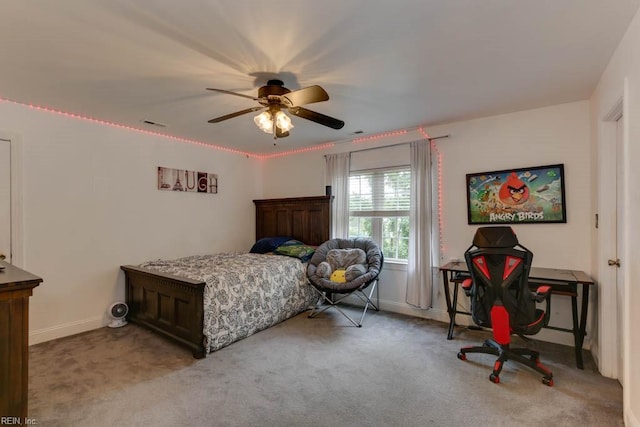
244	293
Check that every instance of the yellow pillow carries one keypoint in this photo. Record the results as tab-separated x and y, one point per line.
338	276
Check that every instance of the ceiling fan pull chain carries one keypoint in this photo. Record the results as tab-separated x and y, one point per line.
273	119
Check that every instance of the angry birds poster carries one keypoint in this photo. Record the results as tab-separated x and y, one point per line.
524	195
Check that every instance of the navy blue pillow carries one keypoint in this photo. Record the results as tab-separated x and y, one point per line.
268	244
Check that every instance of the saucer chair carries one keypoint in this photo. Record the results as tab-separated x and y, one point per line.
327	289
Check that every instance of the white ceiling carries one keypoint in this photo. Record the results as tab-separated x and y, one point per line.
387	65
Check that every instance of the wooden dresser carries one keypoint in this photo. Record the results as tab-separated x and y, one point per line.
16	286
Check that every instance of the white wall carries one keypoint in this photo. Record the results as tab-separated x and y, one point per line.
621	79
557	134
91	204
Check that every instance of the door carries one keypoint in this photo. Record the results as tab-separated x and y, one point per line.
620	236
5	200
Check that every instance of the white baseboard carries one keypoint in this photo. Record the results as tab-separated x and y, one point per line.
630	418
65	330
595	352
409	310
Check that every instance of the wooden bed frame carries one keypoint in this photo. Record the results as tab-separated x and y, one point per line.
173	306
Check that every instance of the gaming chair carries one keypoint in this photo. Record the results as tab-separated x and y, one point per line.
501	299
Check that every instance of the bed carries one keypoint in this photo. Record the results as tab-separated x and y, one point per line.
198	301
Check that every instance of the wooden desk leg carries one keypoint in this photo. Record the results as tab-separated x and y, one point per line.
582	332
454	306
577	332
450	310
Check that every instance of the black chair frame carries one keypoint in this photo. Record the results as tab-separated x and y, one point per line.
333	296
497	303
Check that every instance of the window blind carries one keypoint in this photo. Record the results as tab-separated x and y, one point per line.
380	192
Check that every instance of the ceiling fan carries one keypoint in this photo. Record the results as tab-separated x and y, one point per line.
273	99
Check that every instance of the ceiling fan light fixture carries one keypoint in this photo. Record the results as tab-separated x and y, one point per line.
283	121
264	121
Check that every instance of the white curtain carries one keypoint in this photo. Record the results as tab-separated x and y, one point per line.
337	171
419	278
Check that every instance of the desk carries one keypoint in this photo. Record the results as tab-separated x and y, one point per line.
562	282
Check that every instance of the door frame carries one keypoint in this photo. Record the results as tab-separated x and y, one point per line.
621	241
17	225
608	345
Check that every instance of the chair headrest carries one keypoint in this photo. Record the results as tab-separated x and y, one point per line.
495	237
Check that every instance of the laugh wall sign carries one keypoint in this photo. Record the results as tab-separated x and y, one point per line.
170	179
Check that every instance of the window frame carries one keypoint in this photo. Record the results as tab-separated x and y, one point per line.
378	214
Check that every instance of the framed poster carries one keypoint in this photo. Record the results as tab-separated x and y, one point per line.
517	196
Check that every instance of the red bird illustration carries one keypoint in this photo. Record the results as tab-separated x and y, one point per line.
514	191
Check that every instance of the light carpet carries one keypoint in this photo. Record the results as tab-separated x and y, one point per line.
394	371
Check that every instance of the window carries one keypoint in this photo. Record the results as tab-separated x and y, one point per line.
379	202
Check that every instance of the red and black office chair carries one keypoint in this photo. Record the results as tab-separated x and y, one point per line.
502	300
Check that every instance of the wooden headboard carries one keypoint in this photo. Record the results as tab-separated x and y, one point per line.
307	219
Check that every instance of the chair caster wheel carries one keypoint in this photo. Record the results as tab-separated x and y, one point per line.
548	381
462	356
494	378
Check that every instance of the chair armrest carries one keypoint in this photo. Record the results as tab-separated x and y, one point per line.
542	293
466	285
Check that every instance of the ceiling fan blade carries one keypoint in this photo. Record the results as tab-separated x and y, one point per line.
228	92
236	114
317	117
307	95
